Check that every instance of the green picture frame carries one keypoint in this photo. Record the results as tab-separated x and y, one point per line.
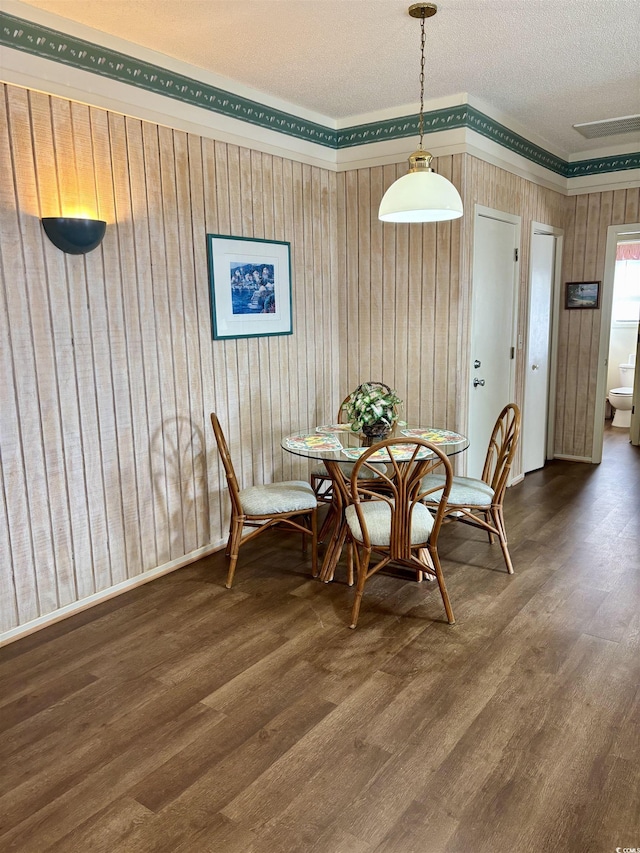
249	287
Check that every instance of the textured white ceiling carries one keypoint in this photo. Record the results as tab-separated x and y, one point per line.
545	64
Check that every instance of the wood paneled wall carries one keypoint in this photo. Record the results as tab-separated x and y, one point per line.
409	286
492	187
403	299
108	370
588	218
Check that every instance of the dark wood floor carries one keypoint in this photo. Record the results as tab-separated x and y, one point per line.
183	717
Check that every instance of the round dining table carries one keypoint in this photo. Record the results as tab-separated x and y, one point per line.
337	444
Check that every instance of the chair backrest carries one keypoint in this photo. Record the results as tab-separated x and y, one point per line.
223	449
501	450
400	485
342	411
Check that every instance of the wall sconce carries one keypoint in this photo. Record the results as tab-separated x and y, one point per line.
74	236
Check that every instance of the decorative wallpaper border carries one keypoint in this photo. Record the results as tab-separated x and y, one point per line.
446	119
606	164
50	44
397	128
47	43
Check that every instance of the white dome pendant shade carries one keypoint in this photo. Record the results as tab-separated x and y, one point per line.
421	195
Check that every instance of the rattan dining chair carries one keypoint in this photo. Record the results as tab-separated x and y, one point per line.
290	505
478	502
395	524
321	482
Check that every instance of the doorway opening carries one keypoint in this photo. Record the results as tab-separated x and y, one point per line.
616	234
623	333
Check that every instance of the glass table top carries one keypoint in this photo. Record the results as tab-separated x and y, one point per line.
338	443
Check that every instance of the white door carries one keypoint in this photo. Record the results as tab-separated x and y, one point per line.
536	390
493	307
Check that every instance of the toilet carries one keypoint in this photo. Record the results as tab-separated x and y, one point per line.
620	398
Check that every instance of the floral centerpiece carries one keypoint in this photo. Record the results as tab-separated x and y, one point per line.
373	409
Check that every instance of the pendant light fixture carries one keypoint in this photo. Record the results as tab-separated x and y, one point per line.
421	195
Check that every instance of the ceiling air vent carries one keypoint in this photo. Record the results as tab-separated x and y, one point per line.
609	126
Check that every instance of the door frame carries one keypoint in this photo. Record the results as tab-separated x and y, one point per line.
556	303
634	431
614	232
481	211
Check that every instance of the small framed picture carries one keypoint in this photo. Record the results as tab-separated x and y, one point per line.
582	294
250	287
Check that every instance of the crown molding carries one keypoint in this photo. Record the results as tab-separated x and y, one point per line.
43	58
603	165
47	43
41	75
604	183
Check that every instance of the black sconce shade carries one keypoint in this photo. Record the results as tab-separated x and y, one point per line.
74	236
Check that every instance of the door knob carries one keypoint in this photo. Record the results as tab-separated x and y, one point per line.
477	363
477	382
534	366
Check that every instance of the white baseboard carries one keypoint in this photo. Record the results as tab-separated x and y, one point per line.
98	597
567	458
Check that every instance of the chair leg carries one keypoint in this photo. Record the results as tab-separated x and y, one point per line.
314	484
327	524
322	488
350	547
362	566
435	559
487	518
227	550
233	547
425	557
314	543
333	552
498	520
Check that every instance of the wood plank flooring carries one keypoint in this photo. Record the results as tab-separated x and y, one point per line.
184	717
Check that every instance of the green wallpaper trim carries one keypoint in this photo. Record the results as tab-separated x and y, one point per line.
446	119
621	163
50	44
497	132
398	128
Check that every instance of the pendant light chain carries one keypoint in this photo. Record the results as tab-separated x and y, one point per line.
421	116
422	195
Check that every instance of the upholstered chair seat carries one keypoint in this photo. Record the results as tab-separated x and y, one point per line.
288	496
377	516
464	490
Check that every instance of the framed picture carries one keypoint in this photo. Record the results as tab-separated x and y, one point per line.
250	287
582	294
